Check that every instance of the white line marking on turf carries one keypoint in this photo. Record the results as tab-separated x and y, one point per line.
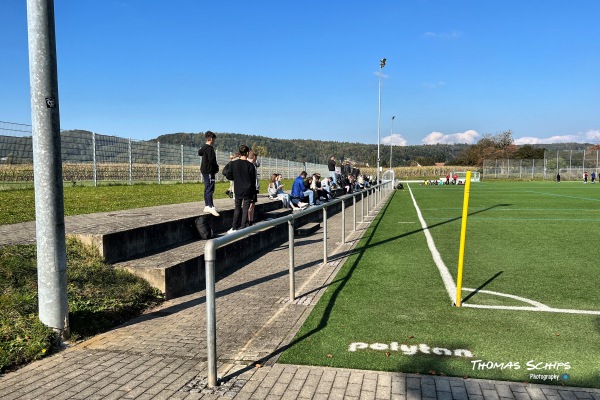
522	308
451	286
437	258
512	296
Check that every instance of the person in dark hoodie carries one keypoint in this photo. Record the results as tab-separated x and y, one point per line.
243	173
209	168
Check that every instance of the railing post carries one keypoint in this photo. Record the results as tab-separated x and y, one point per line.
210	253
362	206
291	245
324	235
354	210
343	221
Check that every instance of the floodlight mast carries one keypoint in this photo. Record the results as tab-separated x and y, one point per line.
47	165
391	140
381	65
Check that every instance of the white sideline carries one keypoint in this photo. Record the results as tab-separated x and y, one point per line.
451	286
446	277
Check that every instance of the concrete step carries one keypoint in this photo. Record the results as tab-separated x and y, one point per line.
132	236
180	270
307	229
280	212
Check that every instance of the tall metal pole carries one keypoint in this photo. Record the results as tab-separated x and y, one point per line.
392	138
47	164
381	65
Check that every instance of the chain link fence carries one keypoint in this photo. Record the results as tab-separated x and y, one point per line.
90	157
571	164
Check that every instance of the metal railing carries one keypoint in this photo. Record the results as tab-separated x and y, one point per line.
211	246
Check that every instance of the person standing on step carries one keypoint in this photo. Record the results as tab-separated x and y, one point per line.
208	168
253	158
331	168
243	173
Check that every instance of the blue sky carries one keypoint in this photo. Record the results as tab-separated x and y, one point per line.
456	70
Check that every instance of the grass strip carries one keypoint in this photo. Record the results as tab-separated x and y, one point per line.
100	298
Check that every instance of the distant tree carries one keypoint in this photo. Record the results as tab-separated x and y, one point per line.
527	151
488	147
261	151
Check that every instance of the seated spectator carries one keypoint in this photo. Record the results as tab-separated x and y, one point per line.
315	185
276	191
299	191
361	182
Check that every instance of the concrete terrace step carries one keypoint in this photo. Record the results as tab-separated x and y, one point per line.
124	235
179	270
308	229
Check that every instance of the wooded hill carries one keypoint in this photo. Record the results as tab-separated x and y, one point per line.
318	151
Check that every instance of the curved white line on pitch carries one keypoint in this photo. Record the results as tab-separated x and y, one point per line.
451	286
512	296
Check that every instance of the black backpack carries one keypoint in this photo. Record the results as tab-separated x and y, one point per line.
203	225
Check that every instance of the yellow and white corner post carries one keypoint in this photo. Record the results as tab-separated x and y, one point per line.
463	238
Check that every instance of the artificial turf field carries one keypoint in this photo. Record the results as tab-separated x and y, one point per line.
531	265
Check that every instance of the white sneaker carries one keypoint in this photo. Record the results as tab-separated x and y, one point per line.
212	210
230	231
302	205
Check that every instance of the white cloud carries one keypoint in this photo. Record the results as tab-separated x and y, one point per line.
395	139
551	139
593	134
468	137
454	34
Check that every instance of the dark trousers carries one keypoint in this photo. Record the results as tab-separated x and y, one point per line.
209	189
240	211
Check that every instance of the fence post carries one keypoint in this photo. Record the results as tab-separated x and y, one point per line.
325	235
94	159
520	168
130	161
291	266
181	163
158	165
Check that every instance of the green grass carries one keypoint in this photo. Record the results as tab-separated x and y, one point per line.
100	297
534	240
18	205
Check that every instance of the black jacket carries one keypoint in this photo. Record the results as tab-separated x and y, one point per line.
331	165
209	160
244	178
